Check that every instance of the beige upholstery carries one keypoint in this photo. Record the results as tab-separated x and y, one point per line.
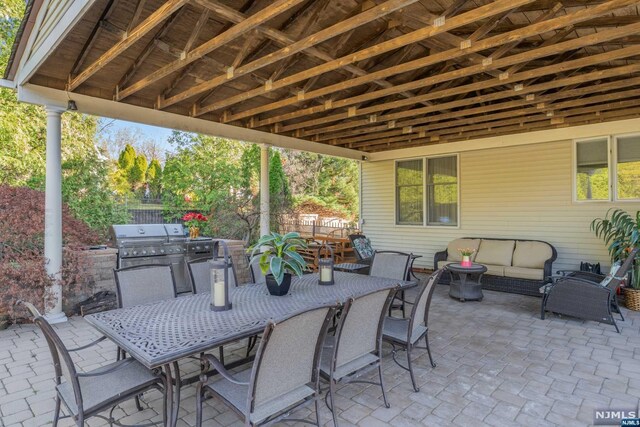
531	254
524	273
442	264
452	249
494	270
495	252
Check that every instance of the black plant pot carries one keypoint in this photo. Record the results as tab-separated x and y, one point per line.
273	287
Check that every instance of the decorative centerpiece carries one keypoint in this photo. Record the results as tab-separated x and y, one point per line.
621	231
278	259
325	265
194	221
466	256
219	277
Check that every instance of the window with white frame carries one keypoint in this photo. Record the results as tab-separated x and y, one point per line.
607	169
427	186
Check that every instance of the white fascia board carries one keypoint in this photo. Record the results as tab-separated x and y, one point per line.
41	95
541	136
31	61
8	84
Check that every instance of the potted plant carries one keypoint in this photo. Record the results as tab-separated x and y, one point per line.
278	259
621	233
466	256
194	221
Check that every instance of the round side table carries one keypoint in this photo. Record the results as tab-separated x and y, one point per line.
465	282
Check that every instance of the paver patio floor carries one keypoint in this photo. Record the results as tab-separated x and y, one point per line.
498	364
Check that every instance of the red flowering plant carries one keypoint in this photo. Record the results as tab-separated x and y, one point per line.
194	219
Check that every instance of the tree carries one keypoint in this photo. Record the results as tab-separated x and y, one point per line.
279	195
127	158
154	177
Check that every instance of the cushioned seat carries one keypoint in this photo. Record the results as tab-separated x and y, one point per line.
98	390
524	273
495	270
495	252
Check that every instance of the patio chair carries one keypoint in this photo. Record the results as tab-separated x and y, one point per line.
86	394
392	265
356	347
143	284
284	374
362	248
405	333
200	274
576	295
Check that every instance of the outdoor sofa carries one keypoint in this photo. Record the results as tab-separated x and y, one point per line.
513	265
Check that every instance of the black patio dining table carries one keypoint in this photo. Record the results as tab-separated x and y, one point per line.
160	334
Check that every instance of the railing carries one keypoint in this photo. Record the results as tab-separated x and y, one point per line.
324	227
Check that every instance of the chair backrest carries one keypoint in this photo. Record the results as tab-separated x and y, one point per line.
289	355
360	328
361	246
420	311
62	362
142	284
390	264
623	270
200	274
256	272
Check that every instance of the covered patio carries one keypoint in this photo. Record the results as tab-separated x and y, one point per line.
484	119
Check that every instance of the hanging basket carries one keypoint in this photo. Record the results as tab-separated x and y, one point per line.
632	298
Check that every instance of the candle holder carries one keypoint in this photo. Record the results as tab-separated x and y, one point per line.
325	266
219	278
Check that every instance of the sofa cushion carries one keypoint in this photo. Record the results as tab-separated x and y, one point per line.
524	273
495	252
442	264
452	249
494	270
531	254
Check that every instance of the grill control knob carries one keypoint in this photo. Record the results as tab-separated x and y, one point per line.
135	252
153	252
206	247
126	253
197	248
144	252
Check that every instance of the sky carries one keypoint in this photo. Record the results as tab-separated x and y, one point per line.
153	132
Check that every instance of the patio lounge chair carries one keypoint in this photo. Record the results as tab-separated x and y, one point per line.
577	296
284	374
407	332
392	265
86	394
356	347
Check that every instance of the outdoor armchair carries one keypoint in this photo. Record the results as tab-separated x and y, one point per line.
405	333
86	394
200	274
577	296
356	347
143	284
284	374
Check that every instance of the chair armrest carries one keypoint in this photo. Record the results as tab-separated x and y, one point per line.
563	279
439	256
88	345
99	372
218	366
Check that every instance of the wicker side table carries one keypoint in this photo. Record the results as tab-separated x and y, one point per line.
465	281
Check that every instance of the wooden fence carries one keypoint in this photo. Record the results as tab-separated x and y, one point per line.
332	227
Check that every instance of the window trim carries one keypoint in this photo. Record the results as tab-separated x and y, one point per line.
424	193
612	163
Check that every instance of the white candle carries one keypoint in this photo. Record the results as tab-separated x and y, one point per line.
325	274
218	294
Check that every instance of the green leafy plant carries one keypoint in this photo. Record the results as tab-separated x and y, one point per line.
621	233
279	254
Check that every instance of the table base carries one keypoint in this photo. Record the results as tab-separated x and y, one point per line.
465	292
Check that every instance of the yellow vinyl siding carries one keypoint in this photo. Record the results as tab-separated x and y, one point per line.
515	192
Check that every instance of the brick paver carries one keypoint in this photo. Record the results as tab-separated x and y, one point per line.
499	364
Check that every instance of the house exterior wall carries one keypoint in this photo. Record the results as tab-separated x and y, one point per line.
522	191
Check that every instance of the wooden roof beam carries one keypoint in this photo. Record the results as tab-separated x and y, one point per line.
162	13
93	37
302	44
482	12
589	40
435	58
260	17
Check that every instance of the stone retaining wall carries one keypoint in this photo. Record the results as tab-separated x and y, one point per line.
101	263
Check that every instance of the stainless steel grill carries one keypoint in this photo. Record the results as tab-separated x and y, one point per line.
141	244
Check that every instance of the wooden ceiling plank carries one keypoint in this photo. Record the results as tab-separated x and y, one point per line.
136	15
591	39
162	13
93	37
260	17
244	50
306	42
495	41
149	48
549	70
482	12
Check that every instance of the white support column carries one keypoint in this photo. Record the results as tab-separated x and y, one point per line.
53	213
264	190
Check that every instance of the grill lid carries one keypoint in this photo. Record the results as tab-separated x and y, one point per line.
174	230
139	231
